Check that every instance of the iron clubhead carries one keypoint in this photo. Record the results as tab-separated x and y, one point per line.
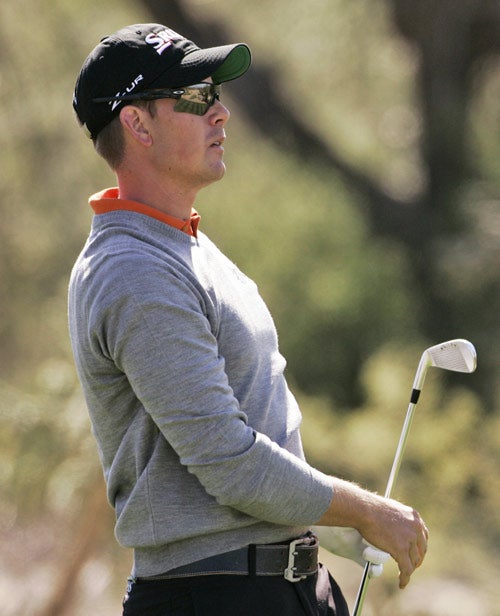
457	355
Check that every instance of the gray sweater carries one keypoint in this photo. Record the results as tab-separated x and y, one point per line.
197	431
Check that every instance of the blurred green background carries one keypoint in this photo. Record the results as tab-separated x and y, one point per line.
362	195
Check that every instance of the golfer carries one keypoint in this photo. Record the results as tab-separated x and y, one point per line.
197	431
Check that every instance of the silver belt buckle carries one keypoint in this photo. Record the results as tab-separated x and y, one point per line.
289	573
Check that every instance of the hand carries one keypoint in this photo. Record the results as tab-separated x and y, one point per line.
399	530
386	524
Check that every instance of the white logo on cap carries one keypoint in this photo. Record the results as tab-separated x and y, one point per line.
162	40
128	90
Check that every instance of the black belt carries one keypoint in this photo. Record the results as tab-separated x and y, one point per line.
294	561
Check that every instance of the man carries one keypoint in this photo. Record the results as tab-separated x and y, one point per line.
196	429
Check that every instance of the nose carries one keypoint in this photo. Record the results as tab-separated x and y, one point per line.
219	113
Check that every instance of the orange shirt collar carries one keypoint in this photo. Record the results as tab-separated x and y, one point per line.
109	201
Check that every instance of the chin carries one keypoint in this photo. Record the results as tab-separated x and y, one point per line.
219	172
214	176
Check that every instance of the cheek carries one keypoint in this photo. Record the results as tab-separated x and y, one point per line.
174	146
189	145
180	137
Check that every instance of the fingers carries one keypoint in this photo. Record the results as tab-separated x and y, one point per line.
407	566
415	553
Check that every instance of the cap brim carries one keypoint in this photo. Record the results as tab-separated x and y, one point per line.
221	63
236	64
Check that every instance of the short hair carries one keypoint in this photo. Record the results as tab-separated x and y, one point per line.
110	141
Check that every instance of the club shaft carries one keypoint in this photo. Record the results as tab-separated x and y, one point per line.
363	587
396	464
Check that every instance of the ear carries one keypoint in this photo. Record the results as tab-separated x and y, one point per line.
134	122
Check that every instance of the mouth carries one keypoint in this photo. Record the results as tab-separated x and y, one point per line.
217	143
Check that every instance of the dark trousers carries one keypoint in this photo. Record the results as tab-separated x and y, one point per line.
235	595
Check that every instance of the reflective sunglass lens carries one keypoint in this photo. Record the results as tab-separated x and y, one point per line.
198	98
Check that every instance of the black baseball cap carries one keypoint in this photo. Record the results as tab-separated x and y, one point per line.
146	56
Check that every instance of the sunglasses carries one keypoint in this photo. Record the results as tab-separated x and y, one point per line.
196	99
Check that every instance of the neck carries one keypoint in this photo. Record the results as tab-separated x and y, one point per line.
166	197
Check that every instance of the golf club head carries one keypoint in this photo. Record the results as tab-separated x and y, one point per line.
457	355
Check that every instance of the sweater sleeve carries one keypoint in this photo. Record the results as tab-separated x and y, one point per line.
153	323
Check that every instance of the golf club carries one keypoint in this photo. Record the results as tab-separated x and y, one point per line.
456	355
